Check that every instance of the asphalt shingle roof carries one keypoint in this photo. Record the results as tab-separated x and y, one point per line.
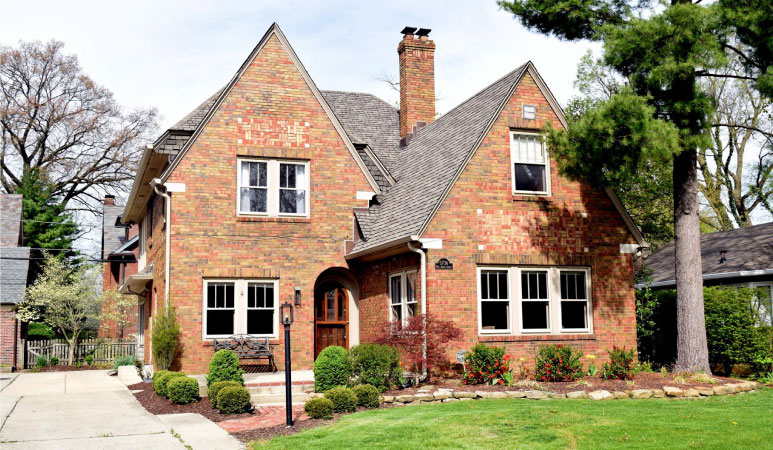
748	249
13	273
370	121
194	118
428	164
112	236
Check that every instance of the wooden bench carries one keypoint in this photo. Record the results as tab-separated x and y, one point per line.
248	347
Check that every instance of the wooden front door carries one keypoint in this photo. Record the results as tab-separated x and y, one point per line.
331	317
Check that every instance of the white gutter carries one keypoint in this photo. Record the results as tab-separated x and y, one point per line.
423	269
156	182
711	276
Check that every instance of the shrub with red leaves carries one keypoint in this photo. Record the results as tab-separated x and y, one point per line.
408	337
558	363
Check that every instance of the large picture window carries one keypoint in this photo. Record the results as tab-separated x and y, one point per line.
273	187
531	167
240	307
402	296
534	300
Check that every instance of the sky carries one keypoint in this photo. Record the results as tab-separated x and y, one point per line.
172	55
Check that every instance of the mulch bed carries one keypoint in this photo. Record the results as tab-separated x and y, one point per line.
264	434
587	384
155	404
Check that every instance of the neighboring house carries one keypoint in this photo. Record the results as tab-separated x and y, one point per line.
272	191
119	255
14	264
740	257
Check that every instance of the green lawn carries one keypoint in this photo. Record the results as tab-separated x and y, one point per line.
740	421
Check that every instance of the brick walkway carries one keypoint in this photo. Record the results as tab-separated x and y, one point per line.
265	417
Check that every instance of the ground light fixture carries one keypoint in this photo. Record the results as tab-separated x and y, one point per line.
286	313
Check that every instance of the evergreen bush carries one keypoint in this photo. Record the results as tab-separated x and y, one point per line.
215	388
376	365
160	384
620	365
233	399
224	366
558	362
367	395
343	398
182	390
319	408
332	368
165	338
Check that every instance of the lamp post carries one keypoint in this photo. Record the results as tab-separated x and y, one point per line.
286	311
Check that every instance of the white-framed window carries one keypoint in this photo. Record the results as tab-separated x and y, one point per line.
494	294
240	307
531	165
272	187
534	300
402	296
529	112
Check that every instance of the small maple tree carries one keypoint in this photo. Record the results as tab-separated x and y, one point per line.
416	334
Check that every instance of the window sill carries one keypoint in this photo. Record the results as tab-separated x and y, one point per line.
537	337
545	198
210	342
273	219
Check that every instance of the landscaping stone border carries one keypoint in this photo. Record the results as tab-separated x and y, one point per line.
450	395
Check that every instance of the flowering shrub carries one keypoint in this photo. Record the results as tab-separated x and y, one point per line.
620	365
558	363
486	365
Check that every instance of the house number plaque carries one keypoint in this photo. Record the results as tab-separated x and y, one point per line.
444	264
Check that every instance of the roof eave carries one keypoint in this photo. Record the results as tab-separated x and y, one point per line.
709	277
381	247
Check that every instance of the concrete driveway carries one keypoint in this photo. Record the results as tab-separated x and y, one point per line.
77	410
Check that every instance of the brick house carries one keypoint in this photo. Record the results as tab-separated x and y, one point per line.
14	266
273	191
119	256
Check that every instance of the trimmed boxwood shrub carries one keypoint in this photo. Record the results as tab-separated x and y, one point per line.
160	384
319	408
376	365
182	390
558	362
620	365
224	366
332	368
343	398
367	395
215	388
233	399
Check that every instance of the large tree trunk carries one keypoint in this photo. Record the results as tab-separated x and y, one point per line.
692	348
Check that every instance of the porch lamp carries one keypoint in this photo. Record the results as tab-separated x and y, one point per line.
286	313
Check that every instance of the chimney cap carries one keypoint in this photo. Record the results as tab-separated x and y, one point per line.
408	30
423	31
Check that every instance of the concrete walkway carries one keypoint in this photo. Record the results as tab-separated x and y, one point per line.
80	410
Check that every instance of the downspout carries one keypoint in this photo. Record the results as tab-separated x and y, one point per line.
168	228
423	270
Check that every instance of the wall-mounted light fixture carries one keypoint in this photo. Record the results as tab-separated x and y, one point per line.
297	296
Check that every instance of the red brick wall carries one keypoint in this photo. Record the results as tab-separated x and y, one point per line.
8	335
529	230
112	279
210	241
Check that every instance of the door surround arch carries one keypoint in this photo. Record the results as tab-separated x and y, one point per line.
342	278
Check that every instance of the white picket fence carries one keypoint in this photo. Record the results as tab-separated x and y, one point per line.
103	350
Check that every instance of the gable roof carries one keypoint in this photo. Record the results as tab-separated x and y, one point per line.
13	275
749	252
113	234
430	163
272	31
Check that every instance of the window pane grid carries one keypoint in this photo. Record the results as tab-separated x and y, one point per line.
495	301
529	163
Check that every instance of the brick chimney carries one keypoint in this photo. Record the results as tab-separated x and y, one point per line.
417	81
109	200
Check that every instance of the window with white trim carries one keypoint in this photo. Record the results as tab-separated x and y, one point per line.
271	187
531	167
529	112
240	307
402	296
534	300
494	301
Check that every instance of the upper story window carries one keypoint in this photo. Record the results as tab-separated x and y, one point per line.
527	300
273	187
402	296
531	167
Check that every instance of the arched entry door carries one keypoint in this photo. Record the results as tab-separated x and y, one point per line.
331	317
